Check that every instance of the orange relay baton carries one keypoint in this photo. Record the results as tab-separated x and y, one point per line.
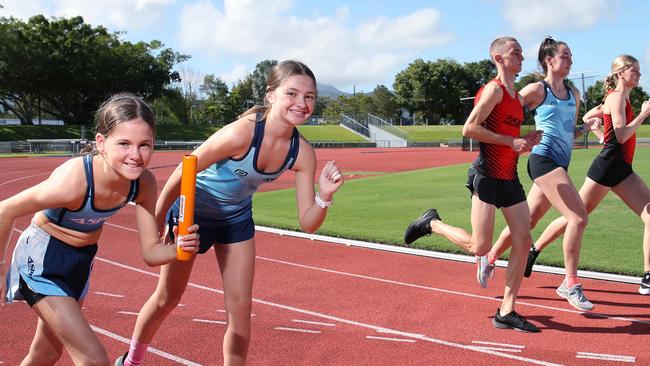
186	210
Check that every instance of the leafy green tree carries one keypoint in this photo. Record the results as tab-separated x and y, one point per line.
69	67
258	79
384	104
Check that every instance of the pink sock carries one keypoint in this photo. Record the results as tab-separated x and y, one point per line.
492	258
571	280
136	353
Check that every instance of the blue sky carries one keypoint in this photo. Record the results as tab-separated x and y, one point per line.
362	43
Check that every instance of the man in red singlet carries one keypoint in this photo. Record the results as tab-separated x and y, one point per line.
495	122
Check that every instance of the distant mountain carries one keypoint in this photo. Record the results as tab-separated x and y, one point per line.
330	91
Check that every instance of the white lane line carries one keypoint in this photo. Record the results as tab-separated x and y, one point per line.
439	255
127	312
223	311
107	294
406	284
314	323
209	321
153	350
499	344
405	334
23	178
347	321
391	339
606	357
501	349
298	330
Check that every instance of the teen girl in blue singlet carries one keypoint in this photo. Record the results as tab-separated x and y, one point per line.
52	261
233	162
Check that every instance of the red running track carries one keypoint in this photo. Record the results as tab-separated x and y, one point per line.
322	303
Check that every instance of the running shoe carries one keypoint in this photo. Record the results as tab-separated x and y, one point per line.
645	284
575	296
484	270
532	256
512	320
120	360
421	226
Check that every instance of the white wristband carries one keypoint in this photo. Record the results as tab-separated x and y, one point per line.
321	203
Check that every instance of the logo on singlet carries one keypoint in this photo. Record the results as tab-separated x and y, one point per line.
90	221
512	121
269	179
241	173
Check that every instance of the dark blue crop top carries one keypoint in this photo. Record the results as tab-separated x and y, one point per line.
87	218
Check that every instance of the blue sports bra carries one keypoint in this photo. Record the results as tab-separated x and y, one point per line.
87	218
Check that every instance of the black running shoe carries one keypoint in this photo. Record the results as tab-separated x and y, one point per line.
421	226
512	320
532	256
120	360
645	284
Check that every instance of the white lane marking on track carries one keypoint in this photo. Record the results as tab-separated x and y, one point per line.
209	321
391	339
153	350
606	357
347	321
23	178
297	330
314	323
400	283
389	331
501	349
499	344
107	294
127	312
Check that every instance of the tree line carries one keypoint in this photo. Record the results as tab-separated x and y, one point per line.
63	68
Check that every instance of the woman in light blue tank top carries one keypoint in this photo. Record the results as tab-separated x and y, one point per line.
52	261
232	163
556	106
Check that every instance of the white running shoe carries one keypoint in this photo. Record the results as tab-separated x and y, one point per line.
575	296
484	270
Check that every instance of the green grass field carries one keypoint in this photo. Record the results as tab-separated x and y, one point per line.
379	208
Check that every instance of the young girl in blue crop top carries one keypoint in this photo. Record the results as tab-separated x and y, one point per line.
53	257
232	163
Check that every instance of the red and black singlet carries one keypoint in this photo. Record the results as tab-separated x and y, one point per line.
495	160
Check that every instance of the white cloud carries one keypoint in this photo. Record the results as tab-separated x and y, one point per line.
544	16
338	53
116	14
238	72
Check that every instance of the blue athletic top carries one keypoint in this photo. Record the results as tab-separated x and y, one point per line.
557	118
224	190
87	218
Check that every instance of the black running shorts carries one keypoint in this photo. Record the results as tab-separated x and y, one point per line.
497	192
609	172
539	165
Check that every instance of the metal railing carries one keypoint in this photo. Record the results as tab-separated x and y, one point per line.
381	123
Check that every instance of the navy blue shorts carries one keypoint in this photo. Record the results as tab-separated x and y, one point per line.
609	172
497	192
211	234
46	266
539	165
